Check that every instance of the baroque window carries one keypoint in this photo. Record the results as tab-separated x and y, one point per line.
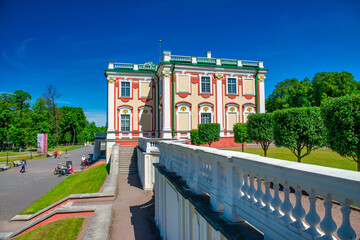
125	122
231	86
205	84
125	89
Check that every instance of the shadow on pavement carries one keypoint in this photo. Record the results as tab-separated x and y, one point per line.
134	181
143	221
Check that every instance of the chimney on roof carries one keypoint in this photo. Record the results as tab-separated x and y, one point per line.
208	54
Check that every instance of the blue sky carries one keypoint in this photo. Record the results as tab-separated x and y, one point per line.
68	43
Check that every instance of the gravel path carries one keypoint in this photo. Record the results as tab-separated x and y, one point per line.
20	190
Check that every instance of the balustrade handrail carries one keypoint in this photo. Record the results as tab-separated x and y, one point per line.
229	178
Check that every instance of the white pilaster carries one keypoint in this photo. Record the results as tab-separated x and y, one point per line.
261	79
111	110
219	102
166	110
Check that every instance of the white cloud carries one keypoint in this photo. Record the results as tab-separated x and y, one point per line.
98	117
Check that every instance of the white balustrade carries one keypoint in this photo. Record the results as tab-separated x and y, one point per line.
260	190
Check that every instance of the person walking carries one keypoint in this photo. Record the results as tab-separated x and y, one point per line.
23	163
60	154
67	154
55	153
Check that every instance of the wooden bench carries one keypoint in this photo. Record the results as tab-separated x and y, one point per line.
4	167
17	163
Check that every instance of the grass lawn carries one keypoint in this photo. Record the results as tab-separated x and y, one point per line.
16	155
67	228
88	181
321	157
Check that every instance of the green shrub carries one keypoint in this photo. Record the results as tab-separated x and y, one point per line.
241	134
209	132
299	129
260	129
341	118
194	137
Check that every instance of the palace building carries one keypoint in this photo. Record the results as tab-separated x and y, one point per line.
169	99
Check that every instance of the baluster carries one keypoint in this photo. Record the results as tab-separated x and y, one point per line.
240	193
276	201
267	197
259	193
298	211
327	224
251	190
286	206
312	218
346	231
245	188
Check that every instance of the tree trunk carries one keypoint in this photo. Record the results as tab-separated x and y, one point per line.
299	154
358	163
242	147
265	151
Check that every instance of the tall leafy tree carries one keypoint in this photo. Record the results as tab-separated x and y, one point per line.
241	134
290	93
333	84
299	129
51	95
73	120
342	123
260	129
6	116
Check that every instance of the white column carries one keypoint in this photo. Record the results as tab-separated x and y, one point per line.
261	79
110	117
166	111
219	103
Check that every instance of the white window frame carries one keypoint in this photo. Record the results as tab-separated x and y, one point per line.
246	107
243	86
127	112
187	110
120	87
229	106
210	110
149	109
151	85
209	76
177	82
236	86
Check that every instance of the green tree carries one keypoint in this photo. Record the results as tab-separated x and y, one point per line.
6	117
241	134
342	123
194	137
290	93
67	137
209	132
299	129
260	129
73	119
51	95
333	84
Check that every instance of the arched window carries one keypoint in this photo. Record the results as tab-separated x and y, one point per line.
206	113
145	121
125	119
247	110
232	115
183	114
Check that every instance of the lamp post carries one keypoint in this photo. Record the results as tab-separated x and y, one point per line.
7	154
31	141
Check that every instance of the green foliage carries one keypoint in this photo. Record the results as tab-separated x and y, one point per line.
20	122
333	84
299	129
67	228
194	137
83	182
342	123
260	129
241	133
209	132
290	93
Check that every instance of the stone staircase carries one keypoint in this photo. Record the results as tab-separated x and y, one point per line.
128	160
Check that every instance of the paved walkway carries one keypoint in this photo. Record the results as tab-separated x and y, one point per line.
20	190
133	211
